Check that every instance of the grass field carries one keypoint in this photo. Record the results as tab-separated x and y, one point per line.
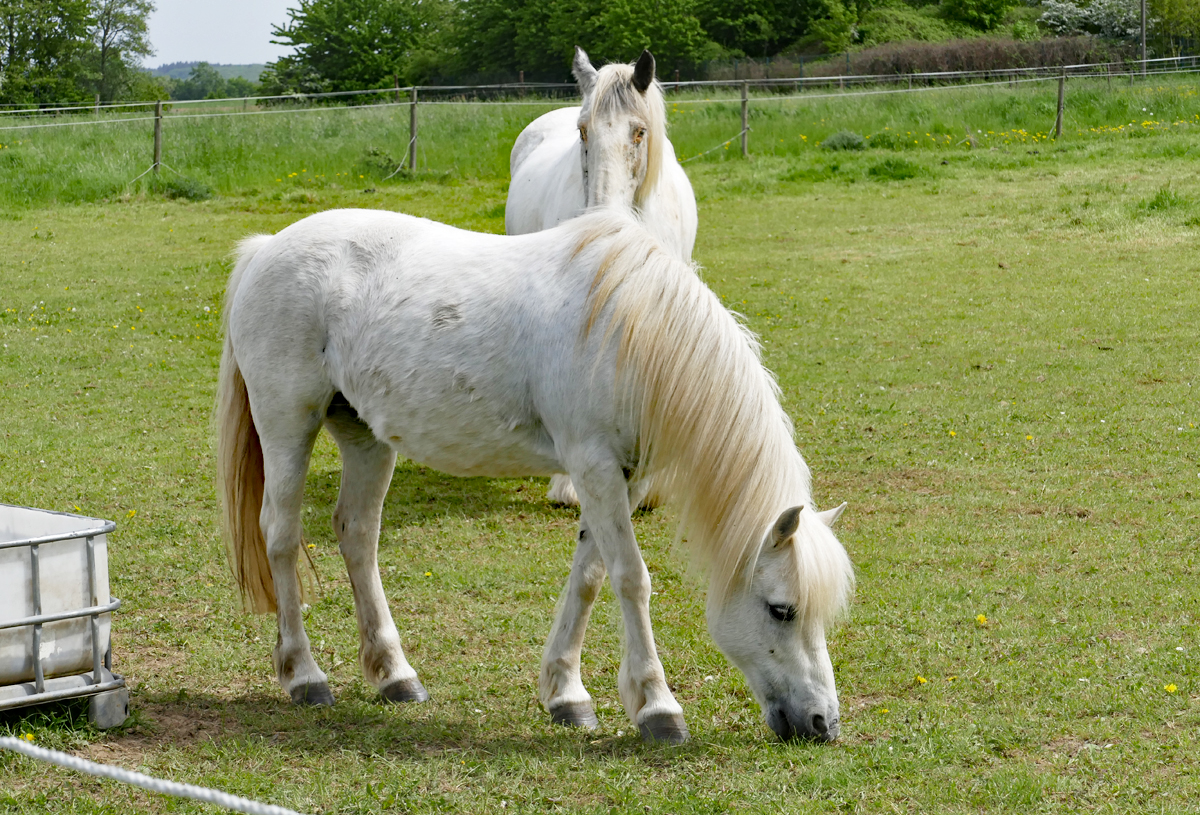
286	152
990	354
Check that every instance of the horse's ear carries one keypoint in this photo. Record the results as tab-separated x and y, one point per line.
786	525
643	72
584	73
829	517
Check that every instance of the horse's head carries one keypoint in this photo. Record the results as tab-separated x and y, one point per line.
771	623
622	127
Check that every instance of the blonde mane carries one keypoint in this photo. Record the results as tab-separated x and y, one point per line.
614	91
712	432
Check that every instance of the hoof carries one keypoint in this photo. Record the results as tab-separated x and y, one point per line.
405	690
668	728
562	491
317	694
575	714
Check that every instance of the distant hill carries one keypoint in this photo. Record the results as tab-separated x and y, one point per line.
181	70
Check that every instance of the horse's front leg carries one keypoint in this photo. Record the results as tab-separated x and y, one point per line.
367	466
559	684
604	509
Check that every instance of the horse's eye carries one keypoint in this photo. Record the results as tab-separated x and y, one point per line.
639	135
785	614
583	133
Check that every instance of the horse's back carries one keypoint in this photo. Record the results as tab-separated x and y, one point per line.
448	344
546	183
547	127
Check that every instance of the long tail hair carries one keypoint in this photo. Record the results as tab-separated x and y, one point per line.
240	475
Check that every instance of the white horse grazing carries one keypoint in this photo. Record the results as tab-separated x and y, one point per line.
612	151
585	349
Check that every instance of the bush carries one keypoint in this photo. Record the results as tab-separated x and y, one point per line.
979	54
904	24
896	169
1111	19
844	140
982	14
1163	201
186	188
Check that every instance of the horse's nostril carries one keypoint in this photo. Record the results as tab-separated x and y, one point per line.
818	725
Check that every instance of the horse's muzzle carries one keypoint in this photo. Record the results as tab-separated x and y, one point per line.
793	725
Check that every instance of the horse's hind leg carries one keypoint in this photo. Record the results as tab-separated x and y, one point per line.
559	685
286	452
367	466
641	493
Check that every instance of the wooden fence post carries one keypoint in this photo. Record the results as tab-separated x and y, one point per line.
97	111
157	135
1143	37
1058	119
745	119
412	130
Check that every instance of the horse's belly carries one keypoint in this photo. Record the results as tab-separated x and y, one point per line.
461	435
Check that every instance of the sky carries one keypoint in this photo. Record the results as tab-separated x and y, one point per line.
216	31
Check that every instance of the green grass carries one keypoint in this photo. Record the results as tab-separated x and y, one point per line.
990	354
280	152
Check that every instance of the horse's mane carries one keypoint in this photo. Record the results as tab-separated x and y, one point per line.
614	90
712	432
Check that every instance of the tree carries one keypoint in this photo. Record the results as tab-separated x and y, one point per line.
982	14
42	46
120	37
836	26
539	36
353	44
204	82
757	28
1178	19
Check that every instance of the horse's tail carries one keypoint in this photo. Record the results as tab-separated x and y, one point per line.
240	475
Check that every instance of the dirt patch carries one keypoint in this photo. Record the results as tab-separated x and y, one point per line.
159	726
1059	753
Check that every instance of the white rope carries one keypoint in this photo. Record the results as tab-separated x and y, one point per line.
143	172
725	143
221	799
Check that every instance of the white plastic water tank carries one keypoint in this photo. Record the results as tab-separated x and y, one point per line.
66	586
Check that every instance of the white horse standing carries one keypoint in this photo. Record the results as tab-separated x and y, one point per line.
611	151
584	349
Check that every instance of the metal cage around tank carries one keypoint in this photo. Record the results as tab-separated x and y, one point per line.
109	705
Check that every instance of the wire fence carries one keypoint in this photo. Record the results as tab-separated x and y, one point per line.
753	92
